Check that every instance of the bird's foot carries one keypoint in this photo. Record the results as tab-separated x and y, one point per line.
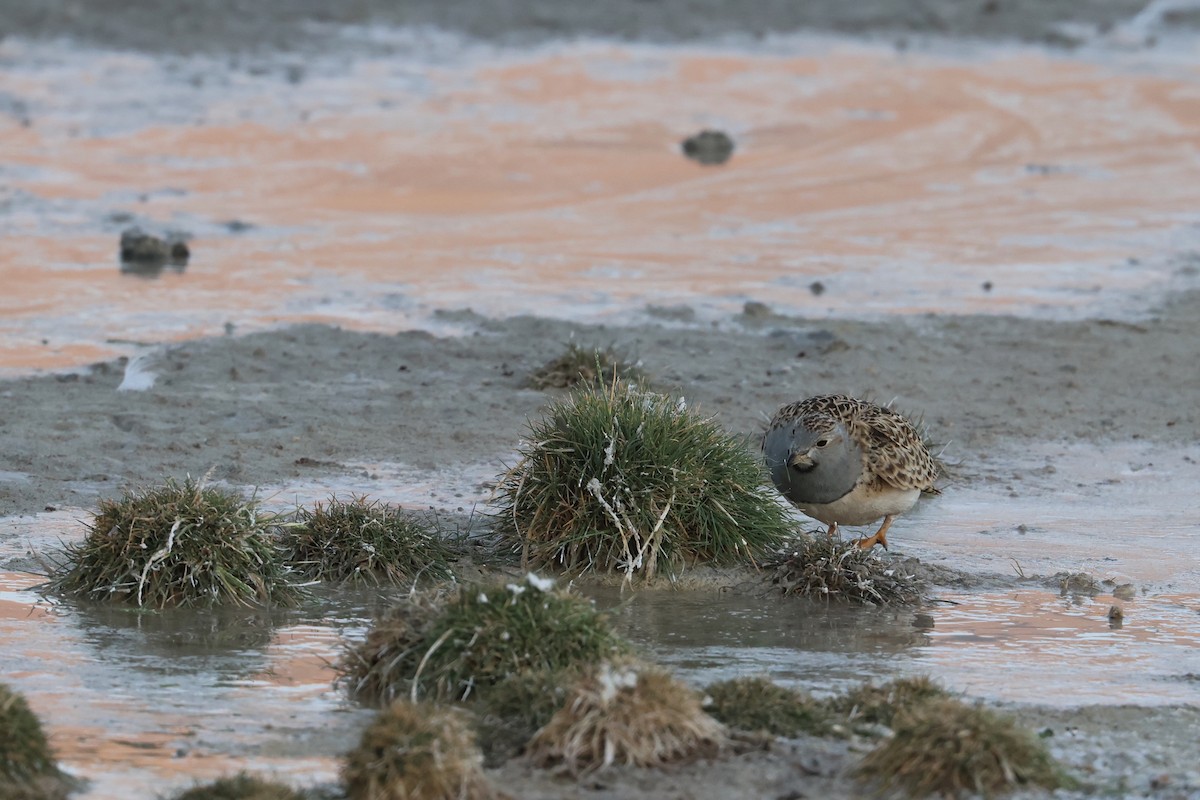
879	537
867	542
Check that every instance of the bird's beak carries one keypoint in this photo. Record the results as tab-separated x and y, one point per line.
801	462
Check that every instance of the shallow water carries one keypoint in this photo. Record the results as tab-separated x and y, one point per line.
144	702
152	700
141	702
548	180
1022	645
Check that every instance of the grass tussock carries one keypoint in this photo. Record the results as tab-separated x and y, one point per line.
179	544
759	704
951	749
830	568
242	786
879	704
451	647
587	365
626	712
619	478
365	542
416	752
28	768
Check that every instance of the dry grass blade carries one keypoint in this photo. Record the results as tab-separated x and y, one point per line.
619	478
364	541
758	704
626	712
178	545
830	568
953	749
416	752
451	647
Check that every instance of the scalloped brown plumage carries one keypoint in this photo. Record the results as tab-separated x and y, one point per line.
895	460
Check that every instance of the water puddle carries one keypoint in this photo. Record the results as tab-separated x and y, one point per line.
147	702
1033	646
140	703
1124	510
1023	646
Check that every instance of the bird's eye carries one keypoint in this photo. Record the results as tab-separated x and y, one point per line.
822	442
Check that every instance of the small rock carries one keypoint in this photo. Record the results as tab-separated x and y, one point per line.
708	147
817	288
987	286
137	245
145	254
1116	617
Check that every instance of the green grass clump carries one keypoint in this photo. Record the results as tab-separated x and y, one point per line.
178	545
619	478
416	752
449	648
366	542
759	704
879	704
28	768
949	748
830	568
626	712
240	787
588	365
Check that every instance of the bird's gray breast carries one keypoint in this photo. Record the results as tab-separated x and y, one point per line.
833	475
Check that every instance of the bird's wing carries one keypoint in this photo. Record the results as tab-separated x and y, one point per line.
896	454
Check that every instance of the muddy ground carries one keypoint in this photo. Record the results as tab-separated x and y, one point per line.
269	408
279	407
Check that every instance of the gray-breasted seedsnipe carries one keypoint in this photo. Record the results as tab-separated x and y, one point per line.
844	461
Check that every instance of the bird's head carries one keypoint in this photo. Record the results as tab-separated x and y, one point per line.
812	460
812	445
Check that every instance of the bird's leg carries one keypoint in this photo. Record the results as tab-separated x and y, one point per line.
880	536
832	530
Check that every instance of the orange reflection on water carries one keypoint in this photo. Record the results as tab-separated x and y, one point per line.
17	607
553	181
134	721
1032	645
299	659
